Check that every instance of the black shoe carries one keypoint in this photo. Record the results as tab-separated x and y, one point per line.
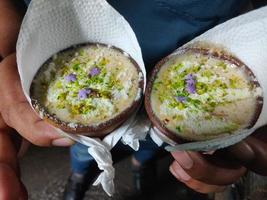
76	187
145	180
78	184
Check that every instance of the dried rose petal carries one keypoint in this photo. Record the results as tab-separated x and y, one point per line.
190	88
189	76
180	99
70	78
190	84
83	93
190	81
94	71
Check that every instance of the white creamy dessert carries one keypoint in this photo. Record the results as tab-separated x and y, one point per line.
199	97
87	85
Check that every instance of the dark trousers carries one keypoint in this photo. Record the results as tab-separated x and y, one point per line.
82	162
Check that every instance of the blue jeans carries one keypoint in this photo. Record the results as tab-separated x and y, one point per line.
82	162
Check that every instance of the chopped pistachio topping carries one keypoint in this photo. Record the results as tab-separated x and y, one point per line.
193	94
89	85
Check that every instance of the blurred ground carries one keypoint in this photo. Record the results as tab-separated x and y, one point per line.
45	171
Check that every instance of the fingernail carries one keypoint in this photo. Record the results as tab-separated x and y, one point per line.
174	174
62	142
209	152
184	176
181	173
183	159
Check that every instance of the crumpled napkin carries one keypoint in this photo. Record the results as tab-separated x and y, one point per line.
245	37
52	25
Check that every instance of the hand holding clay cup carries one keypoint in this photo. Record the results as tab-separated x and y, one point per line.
244	42
198	94
85	94
87	89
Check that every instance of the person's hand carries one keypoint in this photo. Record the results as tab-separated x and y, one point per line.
11	186
14	108
17	112
211	173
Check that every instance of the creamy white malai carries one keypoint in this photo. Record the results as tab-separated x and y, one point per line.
200	97
87	85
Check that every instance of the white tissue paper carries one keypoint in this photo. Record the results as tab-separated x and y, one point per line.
52	25
245	37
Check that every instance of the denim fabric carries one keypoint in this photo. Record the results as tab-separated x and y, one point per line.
27	2
161	26
81	161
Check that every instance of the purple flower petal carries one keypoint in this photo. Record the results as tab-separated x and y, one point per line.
180	99
83	93
189	76
190	84
190	81
190	88
94	71
70	78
